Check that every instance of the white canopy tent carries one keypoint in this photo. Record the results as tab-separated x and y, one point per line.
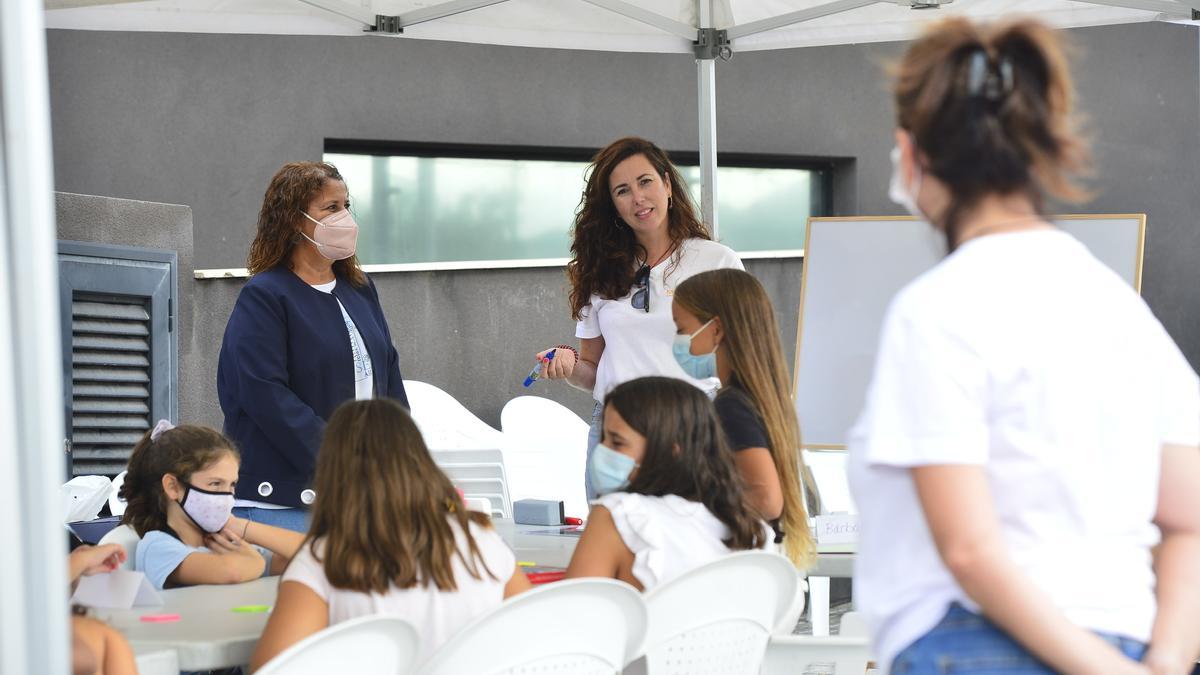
705	29
33	615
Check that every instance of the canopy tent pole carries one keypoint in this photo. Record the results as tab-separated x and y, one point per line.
33	616
706	102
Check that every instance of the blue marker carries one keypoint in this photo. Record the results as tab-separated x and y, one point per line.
536	373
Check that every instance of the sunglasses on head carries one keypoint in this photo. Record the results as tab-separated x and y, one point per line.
641	285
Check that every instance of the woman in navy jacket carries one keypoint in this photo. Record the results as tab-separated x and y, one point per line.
307	334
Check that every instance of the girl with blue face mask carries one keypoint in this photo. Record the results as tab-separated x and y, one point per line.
725	327
178	491
671	497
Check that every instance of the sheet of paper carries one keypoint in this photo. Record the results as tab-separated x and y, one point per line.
119	589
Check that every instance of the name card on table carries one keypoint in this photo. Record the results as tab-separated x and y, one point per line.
118	589
838	528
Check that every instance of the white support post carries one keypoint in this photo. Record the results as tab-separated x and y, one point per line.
34	635
706	97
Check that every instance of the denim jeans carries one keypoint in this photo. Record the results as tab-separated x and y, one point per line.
965	642
295	520
592	441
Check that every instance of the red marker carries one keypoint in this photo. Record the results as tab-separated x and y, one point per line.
572	521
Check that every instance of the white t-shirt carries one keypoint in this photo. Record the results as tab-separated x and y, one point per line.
668	535
1024	355
637	343
364	382
437	615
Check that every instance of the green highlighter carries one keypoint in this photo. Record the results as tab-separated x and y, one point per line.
252	609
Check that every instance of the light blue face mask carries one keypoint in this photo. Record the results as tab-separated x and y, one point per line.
700	367
610	469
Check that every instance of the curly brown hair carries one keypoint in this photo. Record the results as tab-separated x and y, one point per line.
604	250
279	219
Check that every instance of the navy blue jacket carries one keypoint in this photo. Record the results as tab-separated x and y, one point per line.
285	365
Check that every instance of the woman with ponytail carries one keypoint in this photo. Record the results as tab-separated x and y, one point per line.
1026	468
725	318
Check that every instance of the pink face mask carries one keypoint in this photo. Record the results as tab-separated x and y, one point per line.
335	235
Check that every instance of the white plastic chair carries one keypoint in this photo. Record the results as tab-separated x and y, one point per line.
574	627
717	618
128	538
368	645
445	423
479	474
116	506
545	452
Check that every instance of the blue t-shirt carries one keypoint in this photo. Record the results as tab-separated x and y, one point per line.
159	553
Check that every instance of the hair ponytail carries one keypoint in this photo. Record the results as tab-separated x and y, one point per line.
990	112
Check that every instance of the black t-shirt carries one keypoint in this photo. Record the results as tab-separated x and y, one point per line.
743	426
739	417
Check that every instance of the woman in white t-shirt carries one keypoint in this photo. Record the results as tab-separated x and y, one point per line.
636	238
1030	428
423	557
672	498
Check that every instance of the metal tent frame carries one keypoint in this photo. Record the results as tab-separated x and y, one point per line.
708	44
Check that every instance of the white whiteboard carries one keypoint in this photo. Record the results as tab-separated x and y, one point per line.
853	267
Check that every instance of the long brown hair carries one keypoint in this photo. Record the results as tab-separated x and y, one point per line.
383	507
990	109
604	250
181	451
751	341
686	453
279	219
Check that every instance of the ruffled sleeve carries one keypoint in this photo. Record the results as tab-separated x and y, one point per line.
642	524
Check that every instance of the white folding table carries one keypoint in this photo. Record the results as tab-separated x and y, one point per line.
208	634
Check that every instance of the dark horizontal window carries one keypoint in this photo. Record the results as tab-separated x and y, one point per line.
420	203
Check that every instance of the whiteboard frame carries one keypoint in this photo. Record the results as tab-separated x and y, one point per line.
841	447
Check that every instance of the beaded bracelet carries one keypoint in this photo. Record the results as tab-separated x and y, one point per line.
570	349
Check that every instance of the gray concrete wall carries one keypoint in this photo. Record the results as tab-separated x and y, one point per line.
204	120
127	222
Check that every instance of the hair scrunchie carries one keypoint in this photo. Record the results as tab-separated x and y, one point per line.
160	428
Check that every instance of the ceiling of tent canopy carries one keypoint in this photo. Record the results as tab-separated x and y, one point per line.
666	25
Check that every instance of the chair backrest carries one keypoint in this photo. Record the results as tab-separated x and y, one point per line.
717	618
445	423
116	506
479	474
369	645
574	627
545	452
128	538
